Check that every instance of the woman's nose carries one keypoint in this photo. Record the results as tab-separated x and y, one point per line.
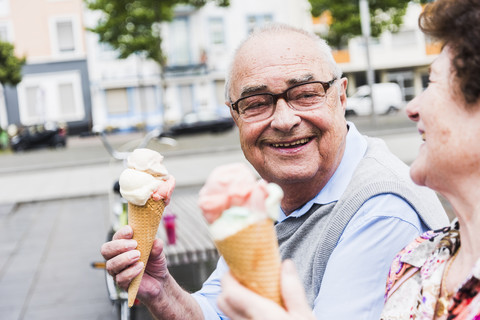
412	110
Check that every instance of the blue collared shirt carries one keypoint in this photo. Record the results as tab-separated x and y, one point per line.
355	277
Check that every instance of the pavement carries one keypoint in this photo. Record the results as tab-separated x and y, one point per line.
54	216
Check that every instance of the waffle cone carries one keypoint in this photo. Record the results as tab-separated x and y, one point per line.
144	221
253	258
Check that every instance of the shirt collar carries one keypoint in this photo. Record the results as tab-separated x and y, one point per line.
355	148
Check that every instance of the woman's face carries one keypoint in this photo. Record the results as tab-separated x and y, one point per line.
449	128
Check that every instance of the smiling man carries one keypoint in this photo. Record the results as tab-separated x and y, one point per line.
349	205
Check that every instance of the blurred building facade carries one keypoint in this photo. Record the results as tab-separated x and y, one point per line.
402	57
55	85
61	84
132	93
198	44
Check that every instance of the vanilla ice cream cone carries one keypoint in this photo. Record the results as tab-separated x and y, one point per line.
144	221
253	258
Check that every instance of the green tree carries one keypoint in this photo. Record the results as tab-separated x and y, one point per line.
11	66
133	26
384	15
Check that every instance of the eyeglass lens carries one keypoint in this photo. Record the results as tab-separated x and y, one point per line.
301	97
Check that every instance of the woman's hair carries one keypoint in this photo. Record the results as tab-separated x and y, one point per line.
456	23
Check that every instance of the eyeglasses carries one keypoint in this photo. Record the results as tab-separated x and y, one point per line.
301	97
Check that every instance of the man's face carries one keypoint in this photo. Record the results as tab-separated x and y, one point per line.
290	147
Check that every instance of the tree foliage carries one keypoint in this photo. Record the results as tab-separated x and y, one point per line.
384	15
11	70
133	26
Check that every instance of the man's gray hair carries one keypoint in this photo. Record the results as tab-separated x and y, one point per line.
280	28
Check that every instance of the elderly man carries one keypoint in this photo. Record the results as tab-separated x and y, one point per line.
349	204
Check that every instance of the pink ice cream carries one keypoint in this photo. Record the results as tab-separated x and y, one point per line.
233	194
146	177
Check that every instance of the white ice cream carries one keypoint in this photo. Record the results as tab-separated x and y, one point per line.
145	177
148	161
137	186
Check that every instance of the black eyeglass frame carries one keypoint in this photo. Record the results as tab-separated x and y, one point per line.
283	95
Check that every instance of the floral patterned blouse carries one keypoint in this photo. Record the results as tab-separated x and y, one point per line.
413	284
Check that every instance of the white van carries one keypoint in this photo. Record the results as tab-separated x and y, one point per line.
388	99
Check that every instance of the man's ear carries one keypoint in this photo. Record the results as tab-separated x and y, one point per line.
233	113
343	92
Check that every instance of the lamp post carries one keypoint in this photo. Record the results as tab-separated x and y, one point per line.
365	23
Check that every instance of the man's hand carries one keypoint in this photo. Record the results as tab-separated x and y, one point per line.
239	303
123	264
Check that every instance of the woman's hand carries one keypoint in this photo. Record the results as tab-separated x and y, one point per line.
238	303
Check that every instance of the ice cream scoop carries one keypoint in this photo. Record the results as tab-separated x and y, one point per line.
144	177
233	198
147	187
241	211
148	161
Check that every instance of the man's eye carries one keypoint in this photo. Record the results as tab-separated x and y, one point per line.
256	105
305	95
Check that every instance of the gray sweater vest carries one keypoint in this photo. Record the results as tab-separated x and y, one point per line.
310	239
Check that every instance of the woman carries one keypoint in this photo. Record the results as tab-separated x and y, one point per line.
438	275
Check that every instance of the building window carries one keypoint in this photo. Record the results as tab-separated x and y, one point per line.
220	92
51	97
179	42
117	101
216	31
258	21
145	99
66	98
65	36
4	8
186	98
34	101
5	32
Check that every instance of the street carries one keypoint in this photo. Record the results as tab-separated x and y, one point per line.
54	216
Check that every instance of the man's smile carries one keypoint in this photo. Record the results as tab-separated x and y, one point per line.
292	144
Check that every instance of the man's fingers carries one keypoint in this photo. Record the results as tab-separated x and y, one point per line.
157	249
124	232
124	278
157	263
118	263
293	292
115	247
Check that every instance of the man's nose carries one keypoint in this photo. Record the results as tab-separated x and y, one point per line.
284	117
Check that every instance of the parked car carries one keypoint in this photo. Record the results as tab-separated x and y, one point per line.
199	122
388	99
51	135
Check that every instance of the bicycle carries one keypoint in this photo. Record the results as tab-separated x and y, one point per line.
119	215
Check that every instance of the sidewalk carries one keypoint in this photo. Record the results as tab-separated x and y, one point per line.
188	169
